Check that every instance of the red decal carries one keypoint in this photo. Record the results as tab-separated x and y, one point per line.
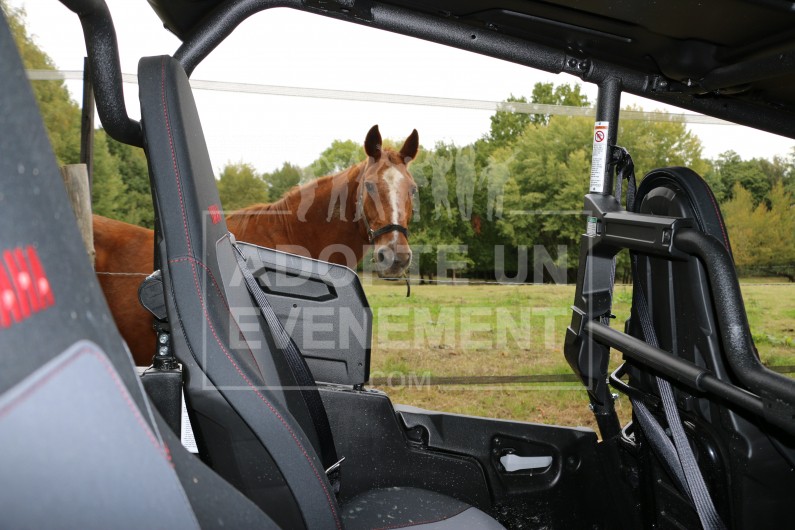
24	287
21	281
215	214
27	282
8	301
40	279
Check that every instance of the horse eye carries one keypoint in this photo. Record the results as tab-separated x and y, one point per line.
370	187
414	190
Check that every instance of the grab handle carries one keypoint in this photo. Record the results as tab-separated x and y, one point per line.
513	462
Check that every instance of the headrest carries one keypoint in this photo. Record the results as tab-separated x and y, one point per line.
696	196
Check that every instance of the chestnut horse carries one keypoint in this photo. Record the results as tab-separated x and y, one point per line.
367	204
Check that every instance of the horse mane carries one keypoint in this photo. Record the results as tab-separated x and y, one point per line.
289	201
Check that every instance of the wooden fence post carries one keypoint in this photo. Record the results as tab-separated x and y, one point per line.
75	176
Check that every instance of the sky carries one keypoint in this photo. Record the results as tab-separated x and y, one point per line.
290	48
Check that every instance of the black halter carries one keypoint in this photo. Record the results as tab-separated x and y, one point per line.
373	234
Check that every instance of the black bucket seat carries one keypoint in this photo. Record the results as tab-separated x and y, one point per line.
252	427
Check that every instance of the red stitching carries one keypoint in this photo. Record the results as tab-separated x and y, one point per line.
204	308
173	153
167	451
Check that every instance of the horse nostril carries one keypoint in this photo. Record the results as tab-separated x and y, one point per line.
403	258
381	256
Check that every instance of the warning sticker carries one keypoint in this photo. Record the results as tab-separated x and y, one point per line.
590	229
186	436
599	159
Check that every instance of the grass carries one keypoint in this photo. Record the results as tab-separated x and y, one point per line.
482	330
771	314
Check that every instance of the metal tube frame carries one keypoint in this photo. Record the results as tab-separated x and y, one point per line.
103	54
594	291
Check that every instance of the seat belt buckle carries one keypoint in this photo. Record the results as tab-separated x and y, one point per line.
333	474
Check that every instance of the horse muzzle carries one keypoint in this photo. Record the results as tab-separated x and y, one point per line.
391	261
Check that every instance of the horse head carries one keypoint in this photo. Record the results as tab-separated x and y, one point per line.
384	206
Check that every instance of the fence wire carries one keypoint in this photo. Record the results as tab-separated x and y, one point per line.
400	99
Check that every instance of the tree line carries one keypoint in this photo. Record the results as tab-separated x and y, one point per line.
506	207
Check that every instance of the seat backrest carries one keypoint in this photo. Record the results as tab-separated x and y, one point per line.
81	447
250	420
744	461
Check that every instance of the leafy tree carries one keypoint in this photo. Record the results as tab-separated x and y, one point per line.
340	155
788	164
61	115
507	124
549	94
781	224
134	172
549	167
762	238
108	192
755	175
282	179
738	214
240	186
661	144
433	224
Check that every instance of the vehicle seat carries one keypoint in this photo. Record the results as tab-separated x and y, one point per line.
251	426
81	445
746	463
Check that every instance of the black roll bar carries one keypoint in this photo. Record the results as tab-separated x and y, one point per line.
777	391
766	393
103	54
216	27
674	368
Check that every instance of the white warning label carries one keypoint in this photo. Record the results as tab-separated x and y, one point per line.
187	439
591	227
599	159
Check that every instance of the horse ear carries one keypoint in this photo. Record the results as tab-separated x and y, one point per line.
372	144
410	147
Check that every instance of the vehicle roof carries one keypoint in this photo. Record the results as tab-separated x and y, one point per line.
733	59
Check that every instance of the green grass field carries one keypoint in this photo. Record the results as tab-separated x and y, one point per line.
484	330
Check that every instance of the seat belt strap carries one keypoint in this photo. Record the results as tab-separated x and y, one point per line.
660	442
679	457
301	373
696	487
